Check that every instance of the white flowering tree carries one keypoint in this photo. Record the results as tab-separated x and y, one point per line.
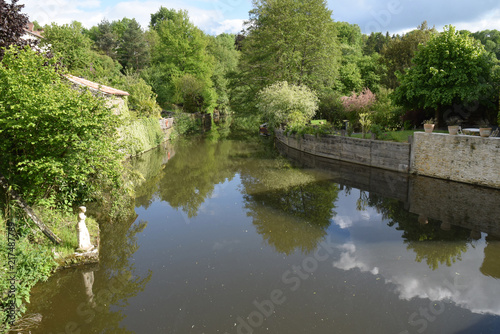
281	103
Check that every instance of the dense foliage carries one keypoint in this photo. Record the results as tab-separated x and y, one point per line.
34	263
175	64
282	103
293	41
181	68
451	69
57	143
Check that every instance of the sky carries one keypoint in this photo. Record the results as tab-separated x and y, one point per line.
218	16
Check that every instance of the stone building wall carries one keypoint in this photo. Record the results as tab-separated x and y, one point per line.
468	159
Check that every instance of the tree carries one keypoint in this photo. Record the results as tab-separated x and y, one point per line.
398	52
490	39
57	143
293	41
163	14
357	70
180	48
12	24
451	69
133	50
223	50
69	42
142	99
289	104
106	39
375	42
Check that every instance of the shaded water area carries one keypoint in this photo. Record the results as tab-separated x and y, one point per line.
241	236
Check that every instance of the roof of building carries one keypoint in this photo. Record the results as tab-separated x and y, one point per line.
29	30
33	33
95	86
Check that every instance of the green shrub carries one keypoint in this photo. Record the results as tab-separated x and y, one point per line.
142	100
57	144
282	103
377	131
141	135
33	263
385	113
330	108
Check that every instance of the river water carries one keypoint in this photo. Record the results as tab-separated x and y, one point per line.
245	236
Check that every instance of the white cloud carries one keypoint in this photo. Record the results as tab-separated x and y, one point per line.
487	22
229	26
91	12
348	261
343	221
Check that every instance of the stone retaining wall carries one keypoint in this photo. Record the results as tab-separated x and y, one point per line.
374	153
468	159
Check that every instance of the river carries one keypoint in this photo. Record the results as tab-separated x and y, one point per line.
241	236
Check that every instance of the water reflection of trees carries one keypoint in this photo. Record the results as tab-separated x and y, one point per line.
191	176
432	241
290	209
491	262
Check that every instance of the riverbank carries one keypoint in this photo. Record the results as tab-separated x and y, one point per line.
37	258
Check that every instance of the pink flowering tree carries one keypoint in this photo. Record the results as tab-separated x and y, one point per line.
358	103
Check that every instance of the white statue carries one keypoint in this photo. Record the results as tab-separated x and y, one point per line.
84	244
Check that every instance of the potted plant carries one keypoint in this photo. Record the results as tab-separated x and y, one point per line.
429	125
453	124
484	128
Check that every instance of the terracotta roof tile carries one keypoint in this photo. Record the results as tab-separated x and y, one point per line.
96	86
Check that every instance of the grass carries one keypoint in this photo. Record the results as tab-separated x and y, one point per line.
397	136
64	225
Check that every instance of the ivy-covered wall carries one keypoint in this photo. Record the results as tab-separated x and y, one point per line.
141	135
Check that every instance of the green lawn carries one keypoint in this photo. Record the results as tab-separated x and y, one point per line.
398	136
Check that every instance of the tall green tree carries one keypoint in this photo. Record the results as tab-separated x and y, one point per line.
68	41
374	43
133	49
398	53
223	50
288	40
106	39
180	50
490	39
357	70
451	69
72	45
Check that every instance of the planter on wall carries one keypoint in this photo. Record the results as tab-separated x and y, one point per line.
428	128
453	129
485	132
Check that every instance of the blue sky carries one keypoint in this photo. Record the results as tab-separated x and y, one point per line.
217	16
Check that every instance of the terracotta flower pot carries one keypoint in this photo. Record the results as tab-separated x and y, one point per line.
453	129
428	128
485	132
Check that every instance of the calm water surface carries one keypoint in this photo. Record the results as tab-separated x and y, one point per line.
229	236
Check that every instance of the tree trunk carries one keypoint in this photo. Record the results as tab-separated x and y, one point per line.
29	211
